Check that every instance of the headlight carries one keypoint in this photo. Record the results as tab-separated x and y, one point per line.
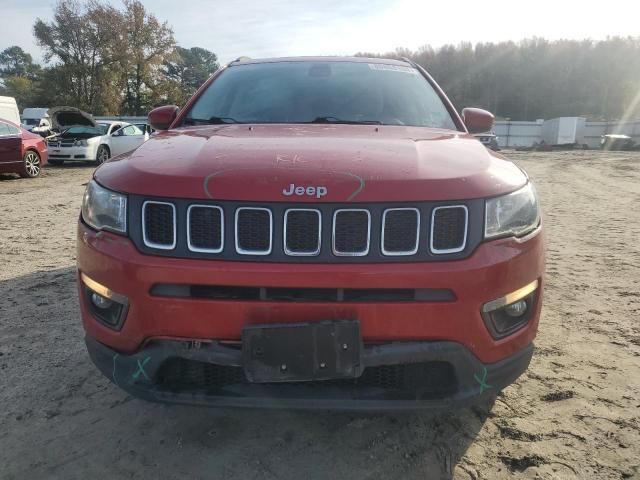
81	143
104	209
514	214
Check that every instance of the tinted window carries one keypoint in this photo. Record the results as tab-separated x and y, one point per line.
303	92
4	129
13	130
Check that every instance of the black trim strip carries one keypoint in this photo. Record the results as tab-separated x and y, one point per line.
302	294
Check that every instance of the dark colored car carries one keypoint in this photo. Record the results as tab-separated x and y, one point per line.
21	152
489	140
312	233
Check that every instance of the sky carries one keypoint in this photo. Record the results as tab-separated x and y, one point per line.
268	28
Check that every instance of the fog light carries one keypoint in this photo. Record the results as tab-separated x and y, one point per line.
107	306
505	315
100	301
516	309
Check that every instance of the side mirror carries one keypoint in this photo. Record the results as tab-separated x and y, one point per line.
161	118
477	120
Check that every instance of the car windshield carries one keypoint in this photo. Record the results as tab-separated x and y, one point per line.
321	92
31	121
85	132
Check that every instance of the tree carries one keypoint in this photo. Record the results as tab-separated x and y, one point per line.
16	62
191	68
536	78
146	45
81	40
19	76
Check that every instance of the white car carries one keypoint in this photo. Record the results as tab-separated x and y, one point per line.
82	138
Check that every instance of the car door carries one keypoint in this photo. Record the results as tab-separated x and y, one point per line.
126	139
10	144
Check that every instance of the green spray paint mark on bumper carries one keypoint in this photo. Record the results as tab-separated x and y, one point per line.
482	381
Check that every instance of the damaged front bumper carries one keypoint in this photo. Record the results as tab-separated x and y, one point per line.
396	376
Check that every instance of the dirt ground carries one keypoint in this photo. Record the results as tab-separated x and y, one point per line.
574	414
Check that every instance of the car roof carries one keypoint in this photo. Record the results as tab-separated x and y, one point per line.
108	123
386	61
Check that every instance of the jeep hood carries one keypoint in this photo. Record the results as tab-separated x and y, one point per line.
356	163
62	118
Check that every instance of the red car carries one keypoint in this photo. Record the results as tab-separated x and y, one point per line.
21	152
312	233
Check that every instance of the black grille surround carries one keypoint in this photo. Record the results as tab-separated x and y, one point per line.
375	254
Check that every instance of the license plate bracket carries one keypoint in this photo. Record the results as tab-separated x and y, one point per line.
302	351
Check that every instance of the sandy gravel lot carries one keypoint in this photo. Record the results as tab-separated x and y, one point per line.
574	414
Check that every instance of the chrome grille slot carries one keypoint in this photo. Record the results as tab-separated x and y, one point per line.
253	231
293	232
159	225
400	231
351	232
205	228
302	232
449	225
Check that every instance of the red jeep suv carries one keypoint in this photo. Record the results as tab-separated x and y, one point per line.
312	233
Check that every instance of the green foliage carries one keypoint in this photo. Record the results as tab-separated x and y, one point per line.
16	62
536	78
105	60
190	69
81	40
146	44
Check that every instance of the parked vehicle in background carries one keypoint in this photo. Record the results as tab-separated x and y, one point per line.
312	232
82	138
21	151
488	139
9	110
617	142
31	117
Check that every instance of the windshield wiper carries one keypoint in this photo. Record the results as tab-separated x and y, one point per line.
210	121
346	122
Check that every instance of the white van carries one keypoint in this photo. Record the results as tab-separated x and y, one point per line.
34	118
9	110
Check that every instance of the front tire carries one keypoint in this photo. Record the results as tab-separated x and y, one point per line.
31	162
102	155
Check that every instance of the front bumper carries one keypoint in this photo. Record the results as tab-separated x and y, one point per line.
140	374
493	270
72	153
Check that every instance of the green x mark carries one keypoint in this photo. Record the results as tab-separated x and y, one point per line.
482	381
141	369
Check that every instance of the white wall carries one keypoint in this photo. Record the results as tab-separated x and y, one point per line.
525	134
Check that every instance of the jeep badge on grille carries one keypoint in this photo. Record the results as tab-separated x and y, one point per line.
311	191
